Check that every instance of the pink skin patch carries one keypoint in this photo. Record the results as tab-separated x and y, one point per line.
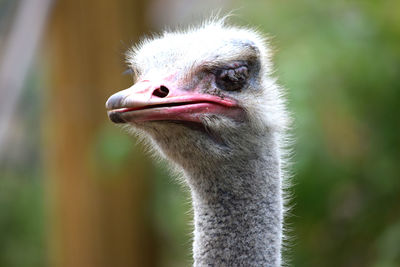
139	104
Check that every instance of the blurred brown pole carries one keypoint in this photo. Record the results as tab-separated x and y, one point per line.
97	212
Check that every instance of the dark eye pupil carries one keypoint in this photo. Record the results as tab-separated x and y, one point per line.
232	79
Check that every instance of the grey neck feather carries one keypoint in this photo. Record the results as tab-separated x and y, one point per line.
238	211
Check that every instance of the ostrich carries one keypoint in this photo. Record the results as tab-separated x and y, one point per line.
205	100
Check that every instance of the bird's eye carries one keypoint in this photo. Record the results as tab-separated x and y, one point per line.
232	79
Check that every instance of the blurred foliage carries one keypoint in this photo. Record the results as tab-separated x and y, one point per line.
22	215
21	221
340	61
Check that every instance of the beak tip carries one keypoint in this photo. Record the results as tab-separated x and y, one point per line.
113	101
108	105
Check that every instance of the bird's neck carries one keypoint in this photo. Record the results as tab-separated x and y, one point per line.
238	213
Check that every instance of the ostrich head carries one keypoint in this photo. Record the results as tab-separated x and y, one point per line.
205	99
204	96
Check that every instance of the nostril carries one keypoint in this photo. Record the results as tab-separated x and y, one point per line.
162	91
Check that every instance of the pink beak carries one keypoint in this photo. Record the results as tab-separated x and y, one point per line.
149	101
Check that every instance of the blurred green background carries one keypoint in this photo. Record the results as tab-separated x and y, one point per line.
339	60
